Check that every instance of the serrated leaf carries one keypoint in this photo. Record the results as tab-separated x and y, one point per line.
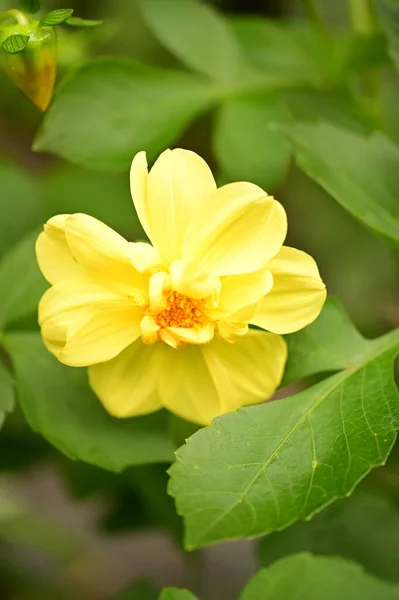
21	280
264	467
331	343
7	398
361	172
58	403
15	43
56	17
78	22
315	577
198	35
245	145
31	6
109	109
363	528
388	11
175	594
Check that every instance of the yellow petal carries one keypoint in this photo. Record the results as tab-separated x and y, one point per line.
231	331
52	252
192	335
297	296
239	291
61	306
166	198
202	382
103	254
237	230
101	333
190	281
128	384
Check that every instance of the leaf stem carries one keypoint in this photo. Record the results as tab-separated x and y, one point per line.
362	16
13	13
314	15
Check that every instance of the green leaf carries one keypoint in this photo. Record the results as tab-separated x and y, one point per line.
388	11
109	109
56	17
245	145
15	43
305	576
78	22
140	590
58	403
331	343
22	282
175	594
360	172
195	33
363	527
30	6
18	188
6	393
287	54
261	468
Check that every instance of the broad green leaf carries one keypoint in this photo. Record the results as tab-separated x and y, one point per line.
58	403
388	11
261	468
141	590
331	343
21	281
363	528
360	172
109	109
197	35
6	393
31	6
309	577
15	43
18	188
56	17
287	54
78	22
245	145
175	594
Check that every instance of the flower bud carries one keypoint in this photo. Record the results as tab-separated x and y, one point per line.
33	68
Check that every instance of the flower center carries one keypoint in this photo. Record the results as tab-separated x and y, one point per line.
181	311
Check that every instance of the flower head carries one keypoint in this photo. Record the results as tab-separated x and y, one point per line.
166	324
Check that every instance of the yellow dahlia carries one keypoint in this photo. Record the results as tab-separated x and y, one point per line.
166	324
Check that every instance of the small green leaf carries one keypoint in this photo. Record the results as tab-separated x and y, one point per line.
21	280
198	35
175	594
109	109
315	577
15	43
388	11
361	172
246	147
7	397
58	403
31	6
56	17
78	22
263	467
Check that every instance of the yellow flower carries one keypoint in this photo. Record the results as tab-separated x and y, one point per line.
166	325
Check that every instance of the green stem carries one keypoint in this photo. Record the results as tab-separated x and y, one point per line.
13	13
362	16
314	15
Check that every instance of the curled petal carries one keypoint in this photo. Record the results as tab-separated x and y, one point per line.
53	254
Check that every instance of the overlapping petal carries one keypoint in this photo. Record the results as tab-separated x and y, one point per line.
236	230
53	254
104	254
128	385
167	197
219	377
297	296
238	291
